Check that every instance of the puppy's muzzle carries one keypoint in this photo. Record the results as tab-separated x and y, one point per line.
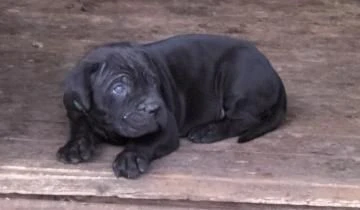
149	106
145	111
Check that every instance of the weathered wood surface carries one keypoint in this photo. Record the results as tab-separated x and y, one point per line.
314	159
66	204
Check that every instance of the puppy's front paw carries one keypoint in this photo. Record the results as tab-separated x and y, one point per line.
75	152
130	165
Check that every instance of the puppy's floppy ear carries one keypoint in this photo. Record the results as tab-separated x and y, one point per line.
78	86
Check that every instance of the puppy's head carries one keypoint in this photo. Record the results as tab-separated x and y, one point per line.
118	90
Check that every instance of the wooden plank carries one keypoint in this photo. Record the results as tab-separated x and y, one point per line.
23	204
223	172
89	204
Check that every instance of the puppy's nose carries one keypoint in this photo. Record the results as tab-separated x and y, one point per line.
149	106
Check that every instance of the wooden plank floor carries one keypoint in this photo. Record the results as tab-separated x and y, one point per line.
313	160
43	204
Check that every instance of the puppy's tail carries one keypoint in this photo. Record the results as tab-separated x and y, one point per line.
271	122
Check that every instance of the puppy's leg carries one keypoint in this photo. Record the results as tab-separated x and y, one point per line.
139	153
80	146
240	121
219	130
254	99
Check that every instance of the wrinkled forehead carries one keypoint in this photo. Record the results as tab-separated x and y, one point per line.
111	71
133	63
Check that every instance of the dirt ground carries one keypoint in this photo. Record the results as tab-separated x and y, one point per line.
313	44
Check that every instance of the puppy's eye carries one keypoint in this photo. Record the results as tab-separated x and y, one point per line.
120	89
77	105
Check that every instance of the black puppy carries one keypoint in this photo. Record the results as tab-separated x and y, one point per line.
146	96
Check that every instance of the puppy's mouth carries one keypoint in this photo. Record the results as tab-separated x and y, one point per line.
136	129
130	132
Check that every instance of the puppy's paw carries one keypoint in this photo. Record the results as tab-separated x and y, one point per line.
76	152
205	134
130	165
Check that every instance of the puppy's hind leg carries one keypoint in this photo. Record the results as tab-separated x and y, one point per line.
270	119
254	98
219	130
243	119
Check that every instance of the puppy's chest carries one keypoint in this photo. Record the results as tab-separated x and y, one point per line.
107	135
101	129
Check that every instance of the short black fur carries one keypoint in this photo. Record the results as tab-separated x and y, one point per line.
146	96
